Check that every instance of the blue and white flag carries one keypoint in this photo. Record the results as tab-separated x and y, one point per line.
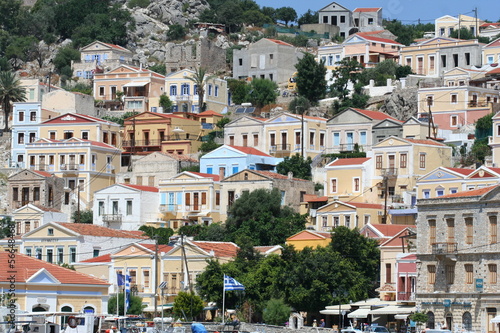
232	284
120	279
127	290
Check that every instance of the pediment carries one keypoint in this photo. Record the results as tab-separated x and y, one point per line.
284	118
441	174
43	276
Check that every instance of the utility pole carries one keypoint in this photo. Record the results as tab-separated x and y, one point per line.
302	130
475	15
155	277
78	219
430	120
132	148
386	194
459	17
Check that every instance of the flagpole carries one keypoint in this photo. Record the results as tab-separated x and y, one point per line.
125	292
223	300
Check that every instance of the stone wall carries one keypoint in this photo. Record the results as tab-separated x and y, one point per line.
261	328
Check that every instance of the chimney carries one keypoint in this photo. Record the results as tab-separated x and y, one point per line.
290	175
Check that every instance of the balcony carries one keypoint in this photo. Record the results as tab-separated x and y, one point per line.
192	208
184	98
281	150
142	143
477	104
42	167
406	296
69	167
168	208
444	248
112	218
389	172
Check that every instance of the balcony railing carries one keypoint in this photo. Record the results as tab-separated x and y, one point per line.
42	167
68	167
477	104
444	248
406	296
389	172
192	208
112	218
280	148
168	208
142	143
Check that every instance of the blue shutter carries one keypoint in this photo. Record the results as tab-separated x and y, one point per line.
362	139
179	198
210	170
336	139
235	169
163	199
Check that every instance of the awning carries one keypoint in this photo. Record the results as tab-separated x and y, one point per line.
393	309
331	312
151	308
136	84
401	316
334	309
495	320
359	313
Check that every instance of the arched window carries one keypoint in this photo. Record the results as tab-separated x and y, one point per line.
430	320
64	319
173	90
88	309
216	90
467	321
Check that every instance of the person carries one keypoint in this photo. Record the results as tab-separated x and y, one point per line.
315	323
322	324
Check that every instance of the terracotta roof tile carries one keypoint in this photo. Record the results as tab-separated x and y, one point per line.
472	193
364	205
206	175
103	258
209	113
96	230
142	187
376	115
26	267
275	175
263	249
390	230
378	39
349	161
250	151
42	173
314	198
462	171
280	42
364	10
47	209
161	247
425	142
220	249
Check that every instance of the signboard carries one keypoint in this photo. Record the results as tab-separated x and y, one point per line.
479	285
447	303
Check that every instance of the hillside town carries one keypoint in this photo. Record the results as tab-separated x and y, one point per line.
353	181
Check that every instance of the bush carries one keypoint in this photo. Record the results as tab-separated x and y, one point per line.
276	312
138	3
176	32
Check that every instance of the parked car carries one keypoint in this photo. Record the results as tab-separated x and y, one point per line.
377	329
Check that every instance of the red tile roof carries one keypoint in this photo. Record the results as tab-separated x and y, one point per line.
364	10
275	175
315	118
280	42
206	175
116	47
472	193
364	205
43	173
209	113
314	198
161	247
96	230
378	39
142	187
220	249
26	267
425	142
178	157
462	171
376	115
263	249
103	258
390	230
494	71
349	161
250	151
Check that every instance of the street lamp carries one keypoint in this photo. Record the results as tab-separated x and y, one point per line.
340	293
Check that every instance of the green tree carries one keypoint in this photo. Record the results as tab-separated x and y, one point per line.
208	146
159	68
296	164
286	14
465	33
81	88
215	232
239	90
161	234
21	49
299	105
262	92
419	318
138	3
200	79
308	17
347	71
6	226
121	119
83	216
276	312
187	304
135	304
311	82
269	12
165	103
10	92
176	32
64	57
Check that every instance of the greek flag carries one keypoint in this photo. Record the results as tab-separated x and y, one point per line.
232	284
127	290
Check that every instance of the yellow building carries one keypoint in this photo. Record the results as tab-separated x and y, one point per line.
491	52
309	238
434	56
352	215
446	25
168	133
183	92
494	140
141	88
42	286
348	178
190	198
444	181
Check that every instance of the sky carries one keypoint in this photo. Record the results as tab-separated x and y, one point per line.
406	11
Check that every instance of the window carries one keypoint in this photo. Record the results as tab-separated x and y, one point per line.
469	227
493	229
50	254
403	158
114	207
32	137
245	140
450	274
422	160
347	221
282	198
216	94
467	59
60	255
255	139
20	138
209	90
336	139
38	253
85	135
443	61
231	140
439	192
324	221
492	276
129	207
145	279
173	90
321	140
469	273
100	209
33	116
52	135
356	184
378	162
95	253
370	21
28	252
342	18
21	116
431	63
272	138
454	99
50	232
240	61
15	193
388	273
101	91
450	223
431	274
432	231
334	185
203	198
138	180
72	254
336	221
362	138
217	198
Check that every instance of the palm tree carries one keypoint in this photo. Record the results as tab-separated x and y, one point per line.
10	92
200	78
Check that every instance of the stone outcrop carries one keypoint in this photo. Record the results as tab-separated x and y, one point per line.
401	104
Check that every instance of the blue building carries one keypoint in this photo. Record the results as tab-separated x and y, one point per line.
26	119
228	160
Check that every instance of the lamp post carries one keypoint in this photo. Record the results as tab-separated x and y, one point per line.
340	293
